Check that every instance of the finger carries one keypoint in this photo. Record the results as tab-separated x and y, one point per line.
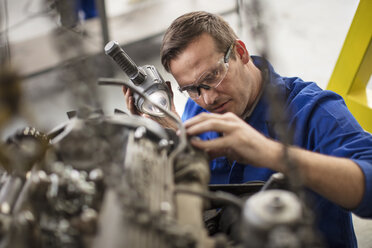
199	118
132	108
173	107
170	88
211	144
128	93
127	96
129	99
215	148
211	124
212	154
230	117
125	92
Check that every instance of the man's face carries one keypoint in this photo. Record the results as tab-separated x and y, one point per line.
201	57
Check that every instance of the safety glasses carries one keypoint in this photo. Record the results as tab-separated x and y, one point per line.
209	79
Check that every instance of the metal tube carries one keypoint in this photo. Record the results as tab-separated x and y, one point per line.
103	20
10	193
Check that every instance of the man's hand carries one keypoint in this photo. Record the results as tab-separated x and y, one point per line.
166	122
338	179
239	140
129	100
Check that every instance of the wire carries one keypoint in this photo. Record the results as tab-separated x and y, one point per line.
119	82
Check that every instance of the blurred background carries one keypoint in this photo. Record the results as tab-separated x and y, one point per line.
58	56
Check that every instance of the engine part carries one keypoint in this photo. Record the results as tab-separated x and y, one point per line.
146	78
274	218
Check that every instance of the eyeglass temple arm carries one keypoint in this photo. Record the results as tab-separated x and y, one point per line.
227	55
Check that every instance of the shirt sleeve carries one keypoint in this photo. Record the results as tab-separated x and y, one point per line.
191	109
325	125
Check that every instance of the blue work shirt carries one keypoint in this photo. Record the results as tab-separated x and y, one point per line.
320	122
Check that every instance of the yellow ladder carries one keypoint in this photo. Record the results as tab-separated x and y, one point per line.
352	72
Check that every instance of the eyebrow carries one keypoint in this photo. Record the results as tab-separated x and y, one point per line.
209	69
204	72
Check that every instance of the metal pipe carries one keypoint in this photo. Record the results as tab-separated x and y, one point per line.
103	20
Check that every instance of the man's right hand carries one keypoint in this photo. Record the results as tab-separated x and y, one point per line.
129	100
166	122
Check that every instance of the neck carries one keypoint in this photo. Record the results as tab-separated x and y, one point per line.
257	89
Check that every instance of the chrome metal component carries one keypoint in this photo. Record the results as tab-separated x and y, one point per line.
140	132
270	208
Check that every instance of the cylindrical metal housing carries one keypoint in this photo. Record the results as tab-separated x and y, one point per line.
125	62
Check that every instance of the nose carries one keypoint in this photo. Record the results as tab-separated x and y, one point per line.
209	95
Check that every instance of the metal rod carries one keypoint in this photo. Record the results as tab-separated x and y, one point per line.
103	20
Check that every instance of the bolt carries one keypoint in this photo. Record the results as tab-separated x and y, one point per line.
5	208
163	143
276	204
96	175
140	132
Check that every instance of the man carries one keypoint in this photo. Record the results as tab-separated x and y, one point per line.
331	151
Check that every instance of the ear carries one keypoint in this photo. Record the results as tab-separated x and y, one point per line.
241	51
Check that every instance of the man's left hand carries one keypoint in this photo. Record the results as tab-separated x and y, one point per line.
239	141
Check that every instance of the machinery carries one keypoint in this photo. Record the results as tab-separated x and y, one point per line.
125	181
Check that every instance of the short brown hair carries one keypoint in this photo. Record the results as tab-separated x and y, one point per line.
190	26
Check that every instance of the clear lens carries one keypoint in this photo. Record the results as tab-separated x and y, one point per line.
208	79
212	79
192	92
160	97
214	76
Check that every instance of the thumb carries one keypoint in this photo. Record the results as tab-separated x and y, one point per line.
170	88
